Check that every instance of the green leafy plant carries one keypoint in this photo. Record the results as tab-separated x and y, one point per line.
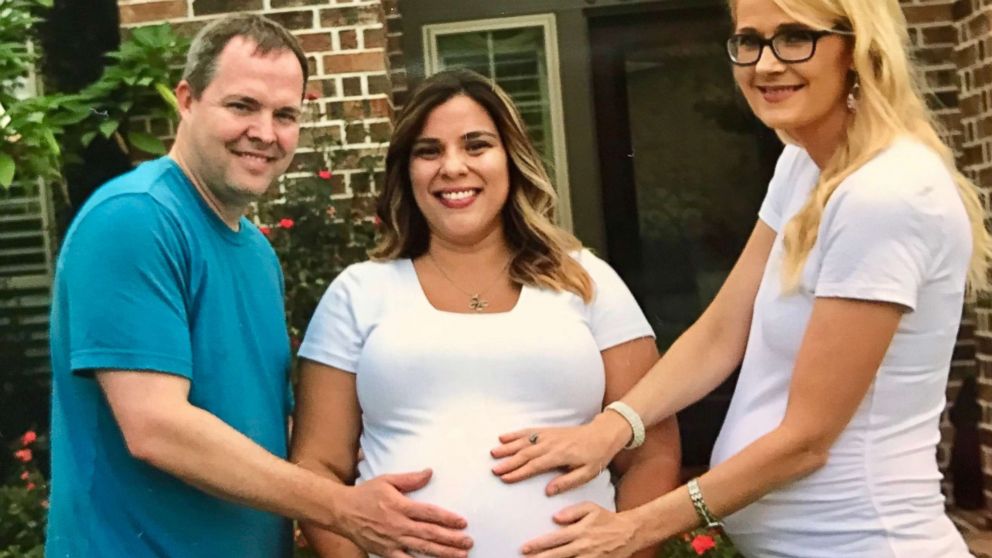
24	504
39	135
137	82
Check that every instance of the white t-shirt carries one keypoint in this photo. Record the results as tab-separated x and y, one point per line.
437	388
895	231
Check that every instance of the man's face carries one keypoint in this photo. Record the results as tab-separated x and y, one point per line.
242	131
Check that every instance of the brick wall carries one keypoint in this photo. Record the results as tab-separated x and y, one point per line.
973	57
350	86
953	40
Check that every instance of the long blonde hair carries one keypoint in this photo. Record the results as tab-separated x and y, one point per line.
890	104
542	249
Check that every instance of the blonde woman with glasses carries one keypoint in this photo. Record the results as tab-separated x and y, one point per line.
842	312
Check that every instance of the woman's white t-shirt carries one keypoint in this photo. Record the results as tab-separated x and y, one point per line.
437	388
895	231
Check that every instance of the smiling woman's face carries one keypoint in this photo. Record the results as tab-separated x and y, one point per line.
459	172
795	98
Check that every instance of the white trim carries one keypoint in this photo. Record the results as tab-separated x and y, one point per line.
548	24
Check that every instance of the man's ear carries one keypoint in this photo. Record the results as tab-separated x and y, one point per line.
184	97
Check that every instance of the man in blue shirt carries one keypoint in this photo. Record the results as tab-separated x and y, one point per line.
170	355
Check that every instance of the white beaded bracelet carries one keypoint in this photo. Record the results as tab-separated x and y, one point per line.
633	419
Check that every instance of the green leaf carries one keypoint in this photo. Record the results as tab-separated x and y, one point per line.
53	145
6	170
108	127
147	143
66	118
167	95
87	138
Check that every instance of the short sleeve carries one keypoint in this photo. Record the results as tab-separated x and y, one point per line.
333	336
614	316
780	188
873	245
124	273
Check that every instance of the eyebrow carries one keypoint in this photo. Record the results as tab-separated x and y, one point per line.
480	133
253	102
466	137
779	29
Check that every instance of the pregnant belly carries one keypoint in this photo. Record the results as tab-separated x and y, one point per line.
501	517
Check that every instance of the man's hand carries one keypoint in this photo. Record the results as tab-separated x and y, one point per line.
379	518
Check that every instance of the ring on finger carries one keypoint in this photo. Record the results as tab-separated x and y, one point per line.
533	438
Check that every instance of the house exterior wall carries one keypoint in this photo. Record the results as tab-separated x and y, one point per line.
359	77
953	40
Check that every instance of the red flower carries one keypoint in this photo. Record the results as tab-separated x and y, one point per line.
702	543
311	96
30	486
25	476
28	438
376	221
265	230
324	174
286	223
23	455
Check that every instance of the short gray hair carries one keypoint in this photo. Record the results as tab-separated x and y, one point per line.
201	60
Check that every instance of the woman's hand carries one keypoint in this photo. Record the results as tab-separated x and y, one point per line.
589	532
380	519
583	451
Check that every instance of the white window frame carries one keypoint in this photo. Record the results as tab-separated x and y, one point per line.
547	23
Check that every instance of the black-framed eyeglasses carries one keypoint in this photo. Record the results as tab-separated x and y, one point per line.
790	46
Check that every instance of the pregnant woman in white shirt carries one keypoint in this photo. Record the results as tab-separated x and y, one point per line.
476	316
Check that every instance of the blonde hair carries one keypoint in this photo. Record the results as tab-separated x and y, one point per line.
890	104
541	249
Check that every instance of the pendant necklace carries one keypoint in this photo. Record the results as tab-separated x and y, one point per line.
475	302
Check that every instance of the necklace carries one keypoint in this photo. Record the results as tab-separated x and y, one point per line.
475	302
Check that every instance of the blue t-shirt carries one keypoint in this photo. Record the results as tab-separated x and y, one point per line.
150	279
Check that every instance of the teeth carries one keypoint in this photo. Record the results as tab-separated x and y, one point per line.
253	157
459	195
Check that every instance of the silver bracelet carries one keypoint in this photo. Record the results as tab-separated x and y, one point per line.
697	502
633	419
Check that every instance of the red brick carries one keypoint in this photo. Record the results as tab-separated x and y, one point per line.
348	39
296	3
380	108
315	42
205	7
152	11
293	20
357	62
351	86
343	17
944	34
928	13
374	38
